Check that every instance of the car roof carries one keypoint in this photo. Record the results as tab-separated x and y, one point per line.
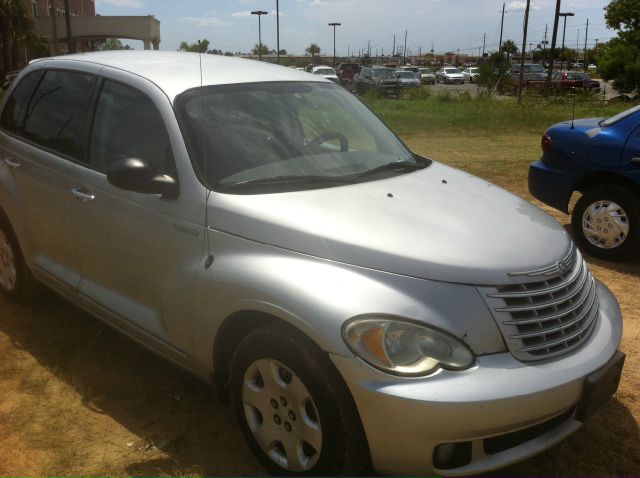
175	72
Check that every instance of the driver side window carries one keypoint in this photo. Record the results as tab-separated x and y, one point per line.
128	125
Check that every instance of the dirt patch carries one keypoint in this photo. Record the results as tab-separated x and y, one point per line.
77	398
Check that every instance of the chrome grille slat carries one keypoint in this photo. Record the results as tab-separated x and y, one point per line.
545	305
557	315
552	311
544	291
551	330
585	326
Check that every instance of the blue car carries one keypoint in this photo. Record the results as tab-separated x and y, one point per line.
599	158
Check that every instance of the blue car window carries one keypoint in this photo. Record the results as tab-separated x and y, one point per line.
619	117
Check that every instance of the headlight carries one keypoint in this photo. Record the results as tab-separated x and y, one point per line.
405	348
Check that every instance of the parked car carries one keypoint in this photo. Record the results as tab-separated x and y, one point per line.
377	78
407	79
325	72
471	74
567	80
599	158
411	68
449	74
346	71
259	227
426	76
534	75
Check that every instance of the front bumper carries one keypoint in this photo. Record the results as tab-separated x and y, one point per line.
552	186
405	419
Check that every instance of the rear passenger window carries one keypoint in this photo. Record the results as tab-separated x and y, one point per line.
16	105
55	115
128	125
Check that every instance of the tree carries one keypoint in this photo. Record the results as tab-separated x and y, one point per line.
510	48
313	50
198	47
15	25
493	72
619	58
282	52
261	49
112	44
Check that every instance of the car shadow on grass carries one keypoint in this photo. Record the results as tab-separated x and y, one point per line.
164	413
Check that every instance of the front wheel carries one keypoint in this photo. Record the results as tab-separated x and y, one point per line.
606	223
294	409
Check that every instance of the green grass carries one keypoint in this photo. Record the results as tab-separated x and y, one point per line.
481	115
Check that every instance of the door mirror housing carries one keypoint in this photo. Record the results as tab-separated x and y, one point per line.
137	175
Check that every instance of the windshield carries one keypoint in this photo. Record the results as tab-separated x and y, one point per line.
382	73
406	74
425	71
474	70
619	117
451	70
324	71
257	134
533	69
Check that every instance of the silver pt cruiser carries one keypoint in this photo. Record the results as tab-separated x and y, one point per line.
262	229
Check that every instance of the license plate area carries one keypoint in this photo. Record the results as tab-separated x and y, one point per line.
599	386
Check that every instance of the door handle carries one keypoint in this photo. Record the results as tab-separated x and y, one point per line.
82	194
635	160
12	163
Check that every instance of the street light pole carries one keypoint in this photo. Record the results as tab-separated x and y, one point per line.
564	30
278	30
554	37
334	25
259	13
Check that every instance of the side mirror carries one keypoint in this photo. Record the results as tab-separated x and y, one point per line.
137	175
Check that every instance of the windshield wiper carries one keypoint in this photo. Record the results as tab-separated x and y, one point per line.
394	166
292	179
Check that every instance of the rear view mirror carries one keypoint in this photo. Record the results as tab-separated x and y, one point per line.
137	175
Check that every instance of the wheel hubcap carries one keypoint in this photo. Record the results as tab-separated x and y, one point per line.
282	415
7	264
605	224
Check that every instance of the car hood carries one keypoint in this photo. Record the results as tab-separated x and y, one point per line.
438	223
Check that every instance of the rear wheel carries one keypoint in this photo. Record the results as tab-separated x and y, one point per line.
16	282
606	222
293	407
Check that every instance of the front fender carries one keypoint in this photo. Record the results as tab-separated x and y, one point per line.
316	296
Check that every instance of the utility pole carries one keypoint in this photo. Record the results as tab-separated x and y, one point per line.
524	46
586	35
67	16
55	29
259	13
393	53
502	28
278	30
404	53
334	25
577	47
564	31
554	37
484	43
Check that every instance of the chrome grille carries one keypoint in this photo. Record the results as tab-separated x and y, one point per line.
550	316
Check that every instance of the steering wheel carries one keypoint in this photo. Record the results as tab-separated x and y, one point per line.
329	135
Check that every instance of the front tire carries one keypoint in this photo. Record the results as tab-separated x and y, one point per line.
293	407
17	284
606	223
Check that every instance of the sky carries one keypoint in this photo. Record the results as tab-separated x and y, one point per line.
445	25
